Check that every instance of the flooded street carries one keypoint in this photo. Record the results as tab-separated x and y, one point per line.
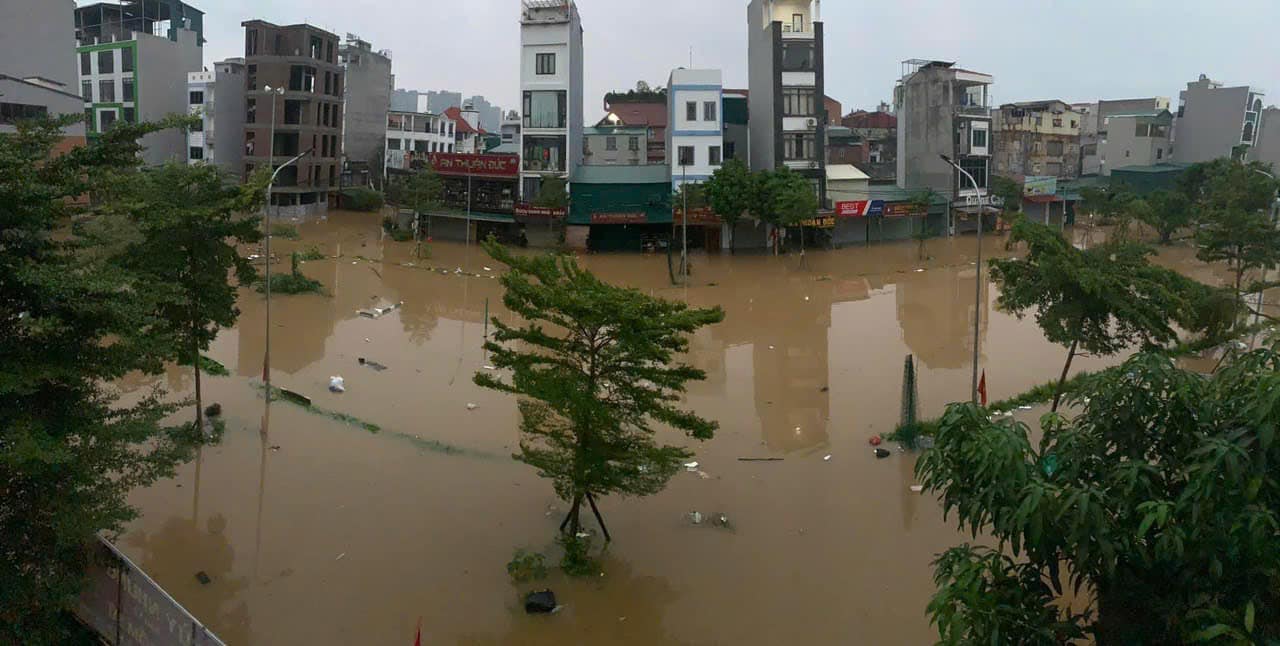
322	532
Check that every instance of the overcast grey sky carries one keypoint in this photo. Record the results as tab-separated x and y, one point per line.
1075	50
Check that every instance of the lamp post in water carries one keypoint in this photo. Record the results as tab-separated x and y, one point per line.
977	297
266	224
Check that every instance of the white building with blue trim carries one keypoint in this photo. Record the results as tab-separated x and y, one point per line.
695	131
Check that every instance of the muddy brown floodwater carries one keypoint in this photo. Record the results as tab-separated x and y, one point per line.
320	532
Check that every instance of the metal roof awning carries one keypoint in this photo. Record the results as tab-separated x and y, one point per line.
974	210
1043	199
475	215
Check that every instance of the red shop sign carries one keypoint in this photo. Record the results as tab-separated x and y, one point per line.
482	165
854	209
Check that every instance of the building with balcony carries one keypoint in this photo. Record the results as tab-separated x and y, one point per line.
1037	138
366	99
787	92
217	98
695	135
943	110
413	136
38	78
1215	121
1136	139
120	44
468	137
292	72
551	83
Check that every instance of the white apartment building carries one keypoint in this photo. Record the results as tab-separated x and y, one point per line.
217	97
414	135
695	134
551	92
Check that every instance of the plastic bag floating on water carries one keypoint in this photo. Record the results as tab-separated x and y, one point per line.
337	385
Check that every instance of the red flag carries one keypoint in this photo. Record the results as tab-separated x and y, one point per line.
417	641
982	388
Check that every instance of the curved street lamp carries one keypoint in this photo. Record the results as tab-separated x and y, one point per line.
977	297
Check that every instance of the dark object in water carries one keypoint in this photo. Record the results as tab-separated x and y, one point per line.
213	410
203	578
372	364
882	453
540	602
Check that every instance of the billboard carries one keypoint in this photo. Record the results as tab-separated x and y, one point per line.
529	212
501	166
637	217
1040	185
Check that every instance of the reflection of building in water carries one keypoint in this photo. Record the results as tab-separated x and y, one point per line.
935	311
310	321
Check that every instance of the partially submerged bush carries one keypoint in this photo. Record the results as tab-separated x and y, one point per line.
527	566
577	559
362	199
292	284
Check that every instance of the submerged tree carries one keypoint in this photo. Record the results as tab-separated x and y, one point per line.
1232	200
71	322
553	194
795	200
190	221
1101	300
1165	211
729	194
1157	501
595	368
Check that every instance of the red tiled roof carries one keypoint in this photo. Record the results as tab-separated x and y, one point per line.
461	125
864	119
653	115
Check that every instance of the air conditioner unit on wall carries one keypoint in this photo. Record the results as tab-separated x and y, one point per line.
813	165
812	123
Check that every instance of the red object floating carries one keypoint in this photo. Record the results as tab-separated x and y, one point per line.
875	440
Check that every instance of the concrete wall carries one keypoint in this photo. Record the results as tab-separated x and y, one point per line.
1210	123
763	58
926	129
1125	148
228	117
548	31
39	39
161	86
598	146
576	81
366	99
1268	149
57	103
704	132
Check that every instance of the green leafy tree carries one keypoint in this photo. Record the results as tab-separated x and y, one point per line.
1101	300
595	368
71	322
729	194
1010	192
1157	501
923	201
1165	211
1232	200
553	194
794	200
421	192
190	221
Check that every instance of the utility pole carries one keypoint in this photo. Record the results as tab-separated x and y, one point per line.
977	296
684	218
266	234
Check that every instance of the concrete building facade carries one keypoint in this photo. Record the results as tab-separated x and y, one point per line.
1137	139
217	97
943	110
293	73
1040	138
42	80
411	136
134	59
695	131
615	146
551	86
1215	121
737	125
786	87
366	100
1093	145
1268	150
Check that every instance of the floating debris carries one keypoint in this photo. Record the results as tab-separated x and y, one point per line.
691	466
380	311
337	385
695	517
374	365
827	458
471	406
761	459
882	453
917	488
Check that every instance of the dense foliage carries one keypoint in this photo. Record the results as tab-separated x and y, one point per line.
1233	202
554	194
1158	501
362	198
71	321
729	193
595	368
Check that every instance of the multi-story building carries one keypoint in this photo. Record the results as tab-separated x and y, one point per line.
787	90
1136	139
615	146
648	112
551	92
293	73
1215	121
737	129
1268	150
412	136
943	110
468	137
1093	136
134	58
510	133
366	99
217	98
41	81
1038	138
878	132
695	134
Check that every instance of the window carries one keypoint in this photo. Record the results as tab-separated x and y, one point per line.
691	110
1039	121
337	84
730	149
195	153
253	77
131	116
15	112
797	102
1075	124
328	83
126	59
88	120
293	111
1056	148
797	22
542	109
610	143
714	155
329	50
542	153
686	157
1057	122
106	118
86	91
633	144
85	63
1159	153
797	57
709	111
250	42
546	64
126	90
106	62
979	138
279	45
196	126
799	147
106	91
975	166
302	78
197	98
317	48
251	111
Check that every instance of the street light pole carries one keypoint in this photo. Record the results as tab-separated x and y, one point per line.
684	228
266	355
266	234
977	297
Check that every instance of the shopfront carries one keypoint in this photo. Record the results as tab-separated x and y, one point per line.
620	208
478	198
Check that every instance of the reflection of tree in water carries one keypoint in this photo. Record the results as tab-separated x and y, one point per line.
302	323
592	612
177	551
935	312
